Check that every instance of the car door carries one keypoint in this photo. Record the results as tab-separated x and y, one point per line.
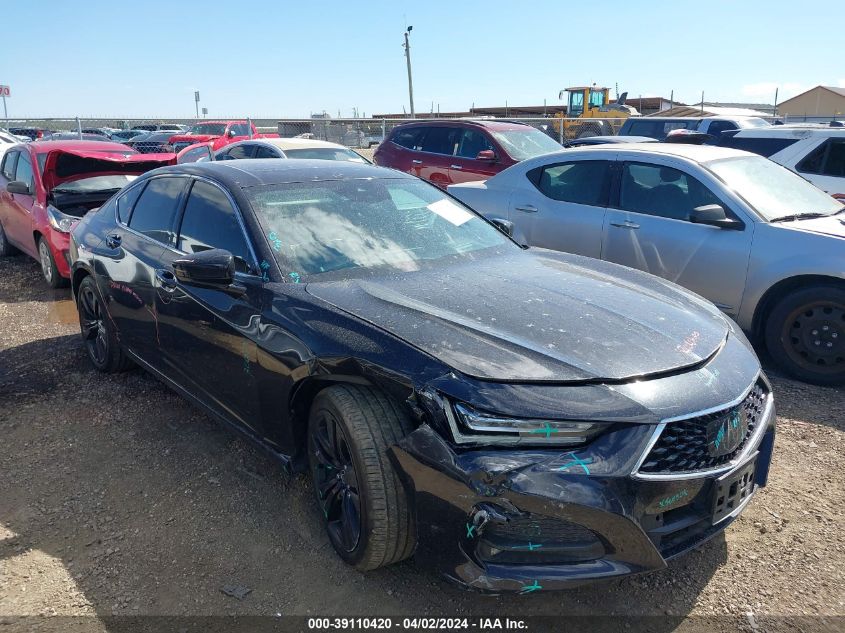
7	174
465	165
132	252
434	162
207	334
648	227
824	166
18	222
562	205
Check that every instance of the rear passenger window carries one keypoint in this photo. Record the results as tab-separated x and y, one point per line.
155	209
762	146
240	151
10	160
126	201
409	138
584	182
265	152
441	140
209	222
471	143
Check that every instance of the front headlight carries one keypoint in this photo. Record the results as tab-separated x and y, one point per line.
475	427
59	221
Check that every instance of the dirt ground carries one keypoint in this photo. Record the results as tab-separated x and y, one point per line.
119	498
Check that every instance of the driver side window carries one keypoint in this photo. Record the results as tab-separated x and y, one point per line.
662	191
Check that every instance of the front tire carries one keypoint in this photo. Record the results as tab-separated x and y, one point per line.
805	334
98	332
48	265
368	514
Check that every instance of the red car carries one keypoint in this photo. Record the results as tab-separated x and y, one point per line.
47	186
220	133
447	152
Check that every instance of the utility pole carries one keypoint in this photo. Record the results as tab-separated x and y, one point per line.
408	60
197	102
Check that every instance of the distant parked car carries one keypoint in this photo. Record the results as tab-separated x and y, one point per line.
446	152
816	153
760	242
46	187
659	127
100	131
32	133
151	142
288	148
602	140
72	136
220	132
164	127
121	136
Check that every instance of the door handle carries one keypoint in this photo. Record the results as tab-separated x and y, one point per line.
416	162
527	208
456	167
625	225
166	279
113	240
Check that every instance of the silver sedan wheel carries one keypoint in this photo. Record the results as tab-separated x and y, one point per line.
46	261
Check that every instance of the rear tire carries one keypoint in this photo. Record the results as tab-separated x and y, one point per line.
48	266
805	334
368	514
6	249
98	331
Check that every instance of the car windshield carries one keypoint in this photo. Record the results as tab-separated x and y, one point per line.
325	153
773	191
525	143
350	228
753	122
96	183
217	129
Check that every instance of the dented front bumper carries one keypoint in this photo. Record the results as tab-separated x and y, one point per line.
525	520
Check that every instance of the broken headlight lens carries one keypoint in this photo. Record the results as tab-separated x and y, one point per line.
59	221
472	426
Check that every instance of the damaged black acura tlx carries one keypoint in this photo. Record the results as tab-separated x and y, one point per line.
523	421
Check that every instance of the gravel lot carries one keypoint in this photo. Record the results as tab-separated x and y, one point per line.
117	497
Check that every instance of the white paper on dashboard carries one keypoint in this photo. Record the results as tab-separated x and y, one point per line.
450	212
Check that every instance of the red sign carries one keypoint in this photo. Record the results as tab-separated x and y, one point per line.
4	91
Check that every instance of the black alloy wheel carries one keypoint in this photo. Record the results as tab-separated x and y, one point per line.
98	330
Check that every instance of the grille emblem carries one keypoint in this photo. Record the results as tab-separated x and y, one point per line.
725	433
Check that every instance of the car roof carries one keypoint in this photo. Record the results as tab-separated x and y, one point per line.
42	147
290	143
786	131
271	171
698	153
498	124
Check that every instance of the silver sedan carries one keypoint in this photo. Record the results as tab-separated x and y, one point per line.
757	240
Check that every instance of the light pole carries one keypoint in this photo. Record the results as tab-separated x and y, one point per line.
197	102
408	59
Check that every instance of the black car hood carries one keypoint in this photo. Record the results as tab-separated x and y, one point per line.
528	317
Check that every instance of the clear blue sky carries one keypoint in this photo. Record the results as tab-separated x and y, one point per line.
286	59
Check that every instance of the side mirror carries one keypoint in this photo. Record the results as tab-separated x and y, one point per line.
214	268
714	215
508	228
486	154
19	186
231	133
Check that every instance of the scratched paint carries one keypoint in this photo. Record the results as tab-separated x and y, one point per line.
689	343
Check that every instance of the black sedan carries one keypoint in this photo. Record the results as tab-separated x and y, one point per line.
151	142
523	421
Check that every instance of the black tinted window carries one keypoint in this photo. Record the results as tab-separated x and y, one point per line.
409	137
757	145
156	208
471	142
210	221
10	161
241	151
716	128
441	140
662	191
23	171
582	183
262	151
126	201
828	159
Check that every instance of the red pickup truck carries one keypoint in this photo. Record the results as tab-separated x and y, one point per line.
220	133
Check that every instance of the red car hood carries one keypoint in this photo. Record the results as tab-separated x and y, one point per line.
66	166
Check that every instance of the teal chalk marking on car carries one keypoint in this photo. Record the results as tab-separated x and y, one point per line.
671	500
470	530
576	461
275	242
531	546
294	277
264	268
546	430
535	586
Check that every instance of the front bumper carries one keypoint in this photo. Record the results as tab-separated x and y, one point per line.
525	520
60	246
